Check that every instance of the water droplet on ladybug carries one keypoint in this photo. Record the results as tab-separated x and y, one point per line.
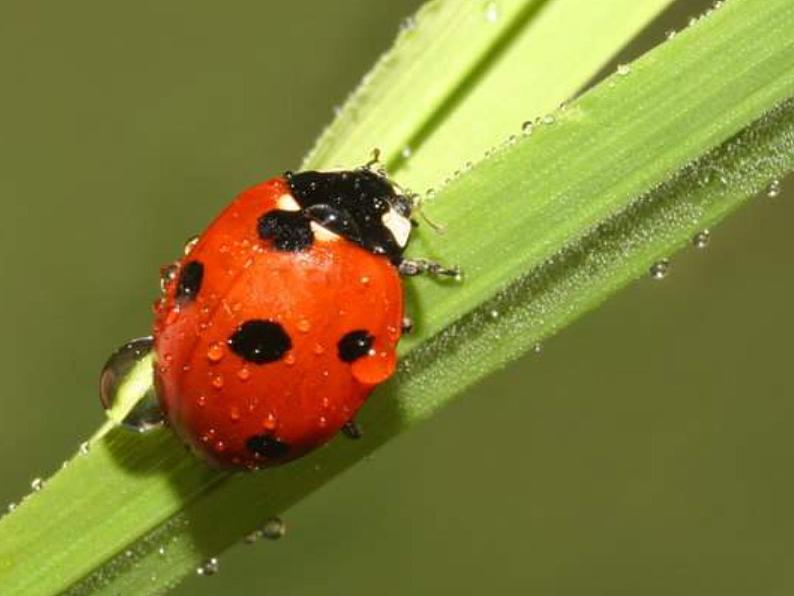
374	369
219	446
322	422
319	350
289	359
201	401
274	528
215	352
208	567
364	280
126	386
269	422
234	413
217	381
167	275
244	374
304	326
172	316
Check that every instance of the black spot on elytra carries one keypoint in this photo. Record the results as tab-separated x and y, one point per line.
189	284
267	446
289	230
260	341
354	345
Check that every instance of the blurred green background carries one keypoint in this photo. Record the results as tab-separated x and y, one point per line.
647	449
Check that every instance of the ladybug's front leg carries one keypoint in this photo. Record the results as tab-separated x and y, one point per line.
409	267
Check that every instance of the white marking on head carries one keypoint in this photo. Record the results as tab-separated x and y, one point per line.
398	225
323	234
287	202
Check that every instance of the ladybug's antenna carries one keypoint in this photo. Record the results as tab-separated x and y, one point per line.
374	160
417	208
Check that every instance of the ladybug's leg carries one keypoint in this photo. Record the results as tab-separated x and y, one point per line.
407	325
409	267
351	430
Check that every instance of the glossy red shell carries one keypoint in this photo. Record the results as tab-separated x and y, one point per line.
214	399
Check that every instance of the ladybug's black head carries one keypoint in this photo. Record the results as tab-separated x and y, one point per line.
359	205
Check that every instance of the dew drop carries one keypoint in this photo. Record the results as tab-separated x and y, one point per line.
528	127
215	352
701	239
537	348
11	507
494	314
491	12
253	537
208	567
408	24
671	33
548	119
660	269
406	152
274	528
161	551
167	275
127	376
430	194
37	484
773	190
85	448
624	69
269	423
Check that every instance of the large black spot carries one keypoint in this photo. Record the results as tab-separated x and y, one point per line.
267	446
289	230
189	284
354	345
260	341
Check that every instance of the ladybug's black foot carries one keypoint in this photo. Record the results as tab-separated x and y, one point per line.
351	430
410	267
407	325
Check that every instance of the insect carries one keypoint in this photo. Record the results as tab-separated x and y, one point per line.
284	315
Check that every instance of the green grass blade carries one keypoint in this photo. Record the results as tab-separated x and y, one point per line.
476	70
545	230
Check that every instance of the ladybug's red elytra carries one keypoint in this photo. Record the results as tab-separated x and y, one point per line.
284	315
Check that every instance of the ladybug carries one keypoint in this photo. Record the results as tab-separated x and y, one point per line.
284	315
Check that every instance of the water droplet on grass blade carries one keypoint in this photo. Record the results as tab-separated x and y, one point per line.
492	12
660	269
701	239
126	386
208	567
